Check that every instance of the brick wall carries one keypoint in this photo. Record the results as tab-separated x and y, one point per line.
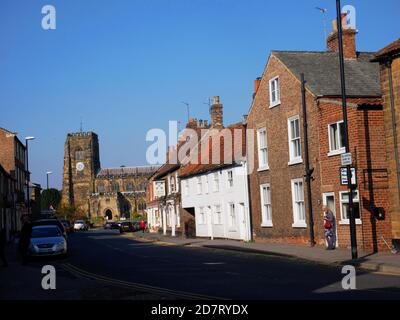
275	120
394	204
366	133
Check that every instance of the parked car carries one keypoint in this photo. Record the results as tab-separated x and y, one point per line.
68	226
126	226
50	222
116	225
136	225
47	240
81	225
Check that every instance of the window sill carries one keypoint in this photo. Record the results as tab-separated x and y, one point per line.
267	225
299	225
262	169
347	222
276	104
295	162
336	153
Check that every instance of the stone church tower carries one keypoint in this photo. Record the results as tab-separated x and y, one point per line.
81	165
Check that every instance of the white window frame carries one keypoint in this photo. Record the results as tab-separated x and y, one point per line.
298	223
199	185
186	187
356	199
207	185
218	214
202	216
216	182
262	166
293	160
232	217
266	206
277	102
230	178
341	150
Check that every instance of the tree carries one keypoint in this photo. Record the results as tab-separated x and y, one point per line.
50	198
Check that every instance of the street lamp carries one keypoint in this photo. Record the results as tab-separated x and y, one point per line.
47	177
28	179
353	237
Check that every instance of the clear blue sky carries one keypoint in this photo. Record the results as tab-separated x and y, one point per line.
124	66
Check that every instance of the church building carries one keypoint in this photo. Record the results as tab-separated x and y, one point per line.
111	193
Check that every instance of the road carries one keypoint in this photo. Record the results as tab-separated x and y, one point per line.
192	272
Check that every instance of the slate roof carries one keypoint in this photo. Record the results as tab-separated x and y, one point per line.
321	71
127	171
391	49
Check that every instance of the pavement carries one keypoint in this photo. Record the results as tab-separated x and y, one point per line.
384	263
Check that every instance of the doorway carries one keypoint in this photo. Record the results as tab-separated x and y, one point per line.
108	214
329	201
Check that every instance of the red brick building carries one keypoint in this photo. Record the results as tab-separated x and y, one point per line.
277	185
7	203
389	60
13	160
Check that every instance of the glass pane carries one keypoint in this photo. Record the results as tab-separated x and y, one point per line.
342	136
333	137
296	128
297	148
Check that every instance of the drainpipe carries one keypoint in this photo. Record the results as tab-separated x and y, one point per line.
309	171
394	124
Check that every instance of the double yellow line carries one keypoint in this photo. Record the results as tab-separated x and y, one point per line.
137	286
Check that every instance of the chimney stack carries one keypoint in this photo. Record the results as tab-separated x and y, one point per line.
257	83
216	114
349	39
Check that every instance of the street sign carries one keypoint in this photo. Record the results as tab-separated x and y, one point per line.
347	159
344	181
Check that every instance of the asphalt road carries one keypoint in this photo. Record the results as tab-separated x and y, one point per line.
194	272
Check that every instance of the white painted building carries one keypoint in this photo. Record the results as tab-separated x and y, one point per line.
219	198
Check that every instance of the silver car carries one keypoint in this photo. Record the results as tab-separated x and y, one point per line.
47	241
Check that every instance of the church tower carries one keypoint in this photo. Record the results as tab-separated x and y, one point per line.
81	165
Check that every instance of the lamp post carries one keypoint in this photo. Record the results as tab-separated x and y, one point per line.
28	178
352	219
47	178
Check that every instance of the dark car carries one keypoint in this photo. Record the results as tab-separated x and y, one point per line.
116	225
51	222
126	226
108	225
69	227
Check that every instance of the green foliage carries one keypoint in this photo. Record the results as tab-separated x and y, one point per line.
98	221
50	197
70	213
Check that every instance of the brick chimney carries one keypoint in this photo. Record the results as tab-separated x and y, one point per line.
349	39
257	83
216	114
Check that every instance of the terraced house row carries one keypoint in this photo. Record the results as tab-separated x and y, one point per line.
262	195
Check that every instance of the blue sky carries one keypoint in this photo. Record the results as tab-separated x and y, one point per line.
124	66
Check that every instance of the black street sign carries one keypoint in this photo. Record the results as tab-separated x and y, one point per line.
344	179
